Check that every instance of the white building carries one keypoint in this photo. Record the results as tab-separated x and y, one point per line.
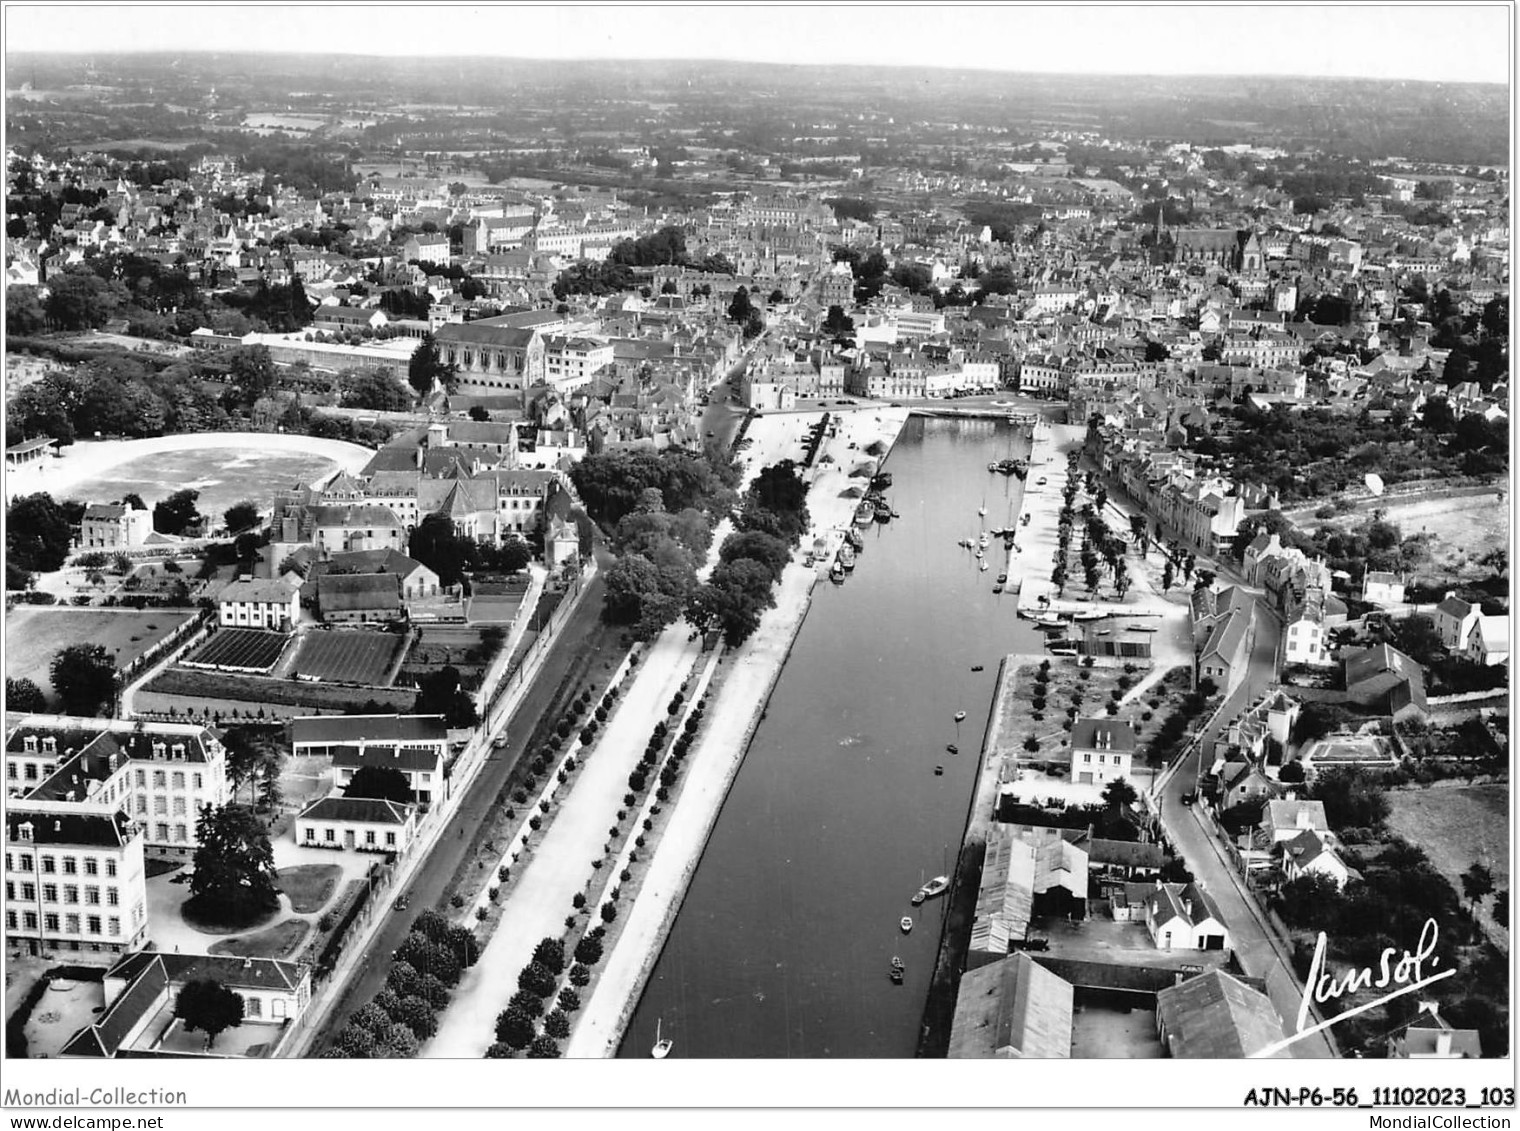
114	526
259	603
357	824
160	774
74	878
1488	640
1184	917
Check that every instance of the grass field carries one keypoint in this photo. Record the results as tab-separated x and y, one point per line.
279	941
1457	826
223	476
222	690
245	649
309	886
33	633
348	656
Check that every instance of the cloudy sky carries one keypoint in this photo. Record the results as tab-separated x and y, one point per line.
1451	42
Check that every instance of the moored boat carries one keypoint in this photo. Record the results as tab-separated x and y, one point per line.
954	749
883	511
661	1046
906	924
959	715
865	514
936	886
847	557
836	573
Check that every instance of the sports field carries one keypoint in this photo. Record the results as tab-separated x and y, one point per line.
34	633
348	656
223	476
241	649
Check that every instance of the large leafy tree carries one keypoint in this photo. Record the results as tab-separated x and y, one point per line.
441	693
735	597
79	299
436	545
37	534
84	676
251	371
427	368
385	783
234	881
240	516
375	389
24	696
209	1006
177	513
253	753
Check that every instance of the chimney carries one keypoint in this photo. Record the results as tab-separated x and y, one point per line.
1443	1043
1303	818
58	825
1187	908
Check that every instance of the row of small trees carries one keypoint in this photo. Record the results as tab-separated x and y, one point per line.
517	1026
428	963
581	721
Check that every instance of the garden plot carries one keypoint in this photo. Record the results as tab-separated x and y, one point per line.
348	656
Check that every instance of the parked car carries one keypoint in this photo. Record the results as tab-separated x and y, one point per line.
1188	799
403	901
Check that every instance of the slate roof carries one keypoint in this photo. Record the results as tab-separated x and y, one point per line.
354	592
374	561
404	758
340	729
105	1037
361	810
1217	1017
1190	903
1087	733
259	591
232	971
1130	853
100	830
484	334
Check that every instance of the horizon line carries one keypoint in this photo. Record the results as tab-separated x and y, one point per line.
330	52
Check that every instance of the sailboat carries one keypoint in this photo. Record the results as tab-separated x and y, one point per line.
661	1046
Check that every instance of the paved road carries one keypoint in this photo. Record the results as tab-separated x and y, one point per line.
435	873
1256	945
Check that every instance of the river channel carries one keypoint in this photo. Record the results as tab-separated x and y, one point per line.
785	940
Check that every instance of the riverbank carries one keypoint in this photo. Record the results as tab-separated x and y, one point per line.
735	713
965	885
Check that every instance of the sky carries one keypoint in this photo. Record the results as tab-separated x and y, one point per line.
1450	42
